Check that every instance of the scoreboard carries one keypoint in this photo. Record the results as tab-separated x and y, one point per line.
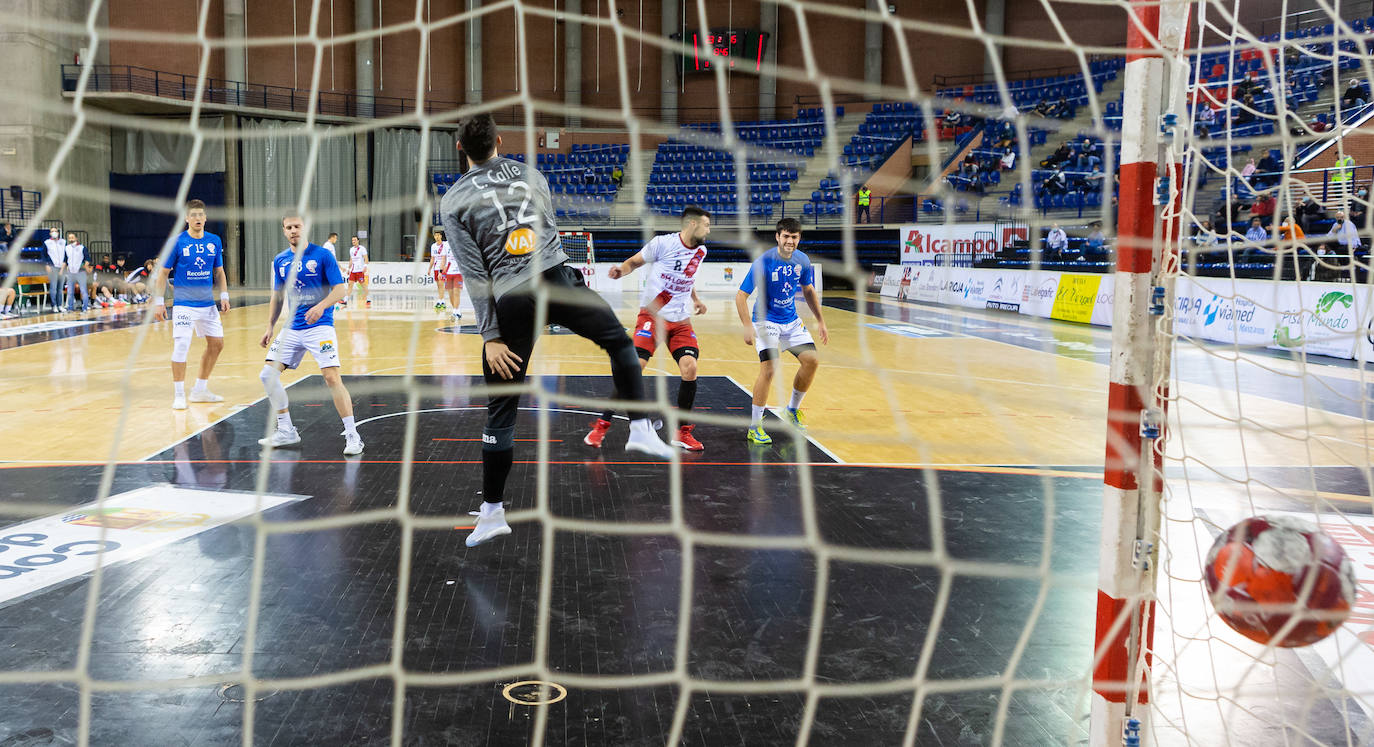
735	49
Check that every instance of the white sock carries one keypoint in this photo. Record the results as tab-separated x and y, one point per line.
201	384
490	508
284	421
758	414
179	387
796	399
349	428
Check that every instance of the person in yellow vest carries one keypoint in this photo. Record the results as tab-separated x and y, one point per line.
865	197
1345	166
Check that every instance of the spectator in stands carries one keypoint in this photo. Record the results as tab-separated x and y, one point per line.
1008	161
862	198
1245	113
1204	236
1265	172
1256	234
1061	155
1044	108
589	176
1263	208
1096	241
56	249
1309	212
1062	109
1355	95
1056	183
1056	242
1289	231
954	118
617	176
1346	235
1248	169
1359	207
1206	118
7	235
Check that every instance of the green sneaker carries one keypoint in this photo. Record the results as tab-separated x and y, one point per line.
795	417
757	436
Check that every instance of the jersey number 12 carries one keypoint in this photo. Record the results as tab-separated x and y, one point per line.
522	215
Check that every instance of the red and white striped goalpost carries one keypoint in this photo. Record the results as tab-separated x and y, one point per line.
1156	78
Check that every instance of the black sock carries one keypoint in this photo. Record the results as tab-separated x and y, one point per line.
687	395
495	469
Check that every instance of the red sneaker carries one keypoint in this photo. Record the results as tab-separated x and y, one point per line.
597	434
685	440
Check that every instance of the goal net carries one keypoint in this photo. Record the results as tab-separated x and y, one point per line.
579	247
1050	261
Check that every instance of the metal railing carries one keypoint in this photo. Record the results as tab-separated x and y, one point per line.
19	207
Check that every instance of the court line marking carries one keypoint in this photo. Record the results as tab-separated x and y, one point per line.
813	441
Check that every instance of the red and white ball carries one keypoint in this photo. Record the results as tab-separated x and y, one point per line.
1266	570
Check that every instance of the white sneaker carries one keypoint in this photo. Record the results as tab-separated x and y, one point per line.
353	445
179	402
281	438
205	395
648	442
488	527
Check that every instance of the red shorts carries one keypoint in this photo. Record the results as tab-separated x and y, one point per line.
679	335
454	280
357	277
439	278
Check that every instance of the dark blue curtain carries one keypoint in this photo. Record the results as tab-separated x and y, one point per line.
138	234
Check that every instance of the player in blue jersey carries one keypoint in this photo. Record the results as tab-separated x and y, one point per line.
775	326
195	264
306	281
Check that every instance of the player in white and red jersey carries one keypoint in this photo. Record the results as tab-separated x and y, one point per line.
668	302
439	256
357	269
453	280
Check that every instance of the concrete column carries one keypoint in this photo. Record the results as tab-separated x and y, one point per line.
362	186
473	55
362	57
873	46
572	59
233	197
768	83
669	62
994	24
235	29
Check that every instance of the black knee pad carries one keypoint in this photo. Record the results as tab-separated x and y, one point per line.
682	351
498	439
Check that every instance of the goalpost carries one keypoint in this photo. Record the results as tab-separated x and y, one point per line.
1191	445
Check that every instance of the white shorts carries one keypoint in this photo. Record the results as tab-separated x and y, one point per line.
771	336
199	320
291	345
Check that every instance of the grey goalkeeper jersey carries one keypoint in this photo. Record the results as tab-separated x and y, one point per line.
499	222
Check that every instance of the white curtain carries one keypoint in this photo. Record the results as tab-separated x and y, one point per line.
400	186
275	157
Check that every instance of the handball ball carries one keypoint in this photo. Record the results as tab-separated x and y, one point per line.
1267	570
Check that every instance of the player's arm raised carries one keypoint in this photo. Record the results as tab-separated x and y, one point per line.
813	302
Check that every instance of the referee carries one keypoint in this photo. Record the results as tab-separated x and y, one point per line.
499	222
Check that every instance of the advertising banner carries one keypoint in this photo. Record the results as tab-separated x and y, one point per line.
892	280
921	242
1038	292
1076	298
1316	318
1005	292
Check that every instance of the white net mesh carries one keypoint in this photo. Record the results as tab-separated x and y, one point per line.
920	568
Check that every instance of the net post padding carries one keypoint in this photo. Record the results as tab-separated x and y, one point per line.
1130	516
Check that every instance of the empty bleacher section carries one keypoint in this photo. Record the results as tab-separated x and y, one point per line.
1029	93
581	181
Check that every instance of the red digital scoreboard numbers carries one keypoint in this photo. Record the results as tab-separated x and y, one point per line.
735	49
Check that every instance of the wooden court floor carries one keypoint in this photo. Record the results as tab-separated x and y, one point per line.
1007	412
